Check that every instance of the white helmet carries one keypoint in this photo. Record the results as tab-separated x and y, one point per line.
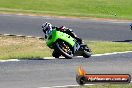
47	27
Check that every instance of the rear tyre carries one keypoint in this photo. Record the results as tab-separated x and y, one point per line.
86	54
65	49
86	51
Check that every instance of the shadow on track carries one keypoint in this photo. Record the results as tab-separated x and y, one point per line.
125	41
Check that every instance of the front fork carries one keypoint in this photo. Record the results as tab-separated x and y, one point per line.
76	47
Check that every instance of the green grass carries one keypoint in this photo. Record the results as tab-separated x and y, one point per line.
119	9
107	86
99	47
18	47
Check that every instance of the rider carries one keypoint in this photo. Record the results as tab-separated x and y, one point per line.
47	28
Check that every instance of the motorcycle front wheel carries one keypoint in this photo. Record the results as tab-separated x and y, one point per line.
56	54
65	49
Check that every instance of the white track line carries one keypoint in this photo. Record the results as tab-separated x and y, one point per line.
9	60
105	54
7	34
65	86
95	55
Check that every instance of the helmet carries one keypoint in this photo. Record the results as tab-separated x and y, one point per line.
47	27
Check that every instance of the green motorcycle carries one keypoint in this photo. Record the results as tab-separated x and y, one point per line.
63	44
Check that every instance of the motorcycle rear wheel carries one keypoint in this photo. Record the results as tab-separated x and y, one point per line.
86	54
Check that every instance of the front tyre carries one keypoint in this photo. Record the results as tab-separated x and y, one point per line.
65	49
56	54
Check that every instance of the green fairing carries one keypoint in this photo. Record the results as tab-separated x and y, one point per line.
59	35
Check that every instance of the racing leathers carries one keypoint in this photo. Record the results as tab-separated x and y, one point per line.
65	30
69	32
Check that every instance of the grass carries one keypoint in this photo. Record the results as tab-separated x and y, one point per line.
119	9
18	47
107	86
99	47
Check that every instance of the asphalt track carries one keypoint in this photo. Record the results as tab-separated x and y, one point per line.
58	72
86	29
39	73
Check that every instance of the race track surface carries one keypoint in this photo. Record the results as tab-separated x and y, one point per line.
39	73
86	29
59	72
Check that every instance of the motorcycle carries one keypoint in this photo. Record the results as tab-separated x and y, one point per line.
63	44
